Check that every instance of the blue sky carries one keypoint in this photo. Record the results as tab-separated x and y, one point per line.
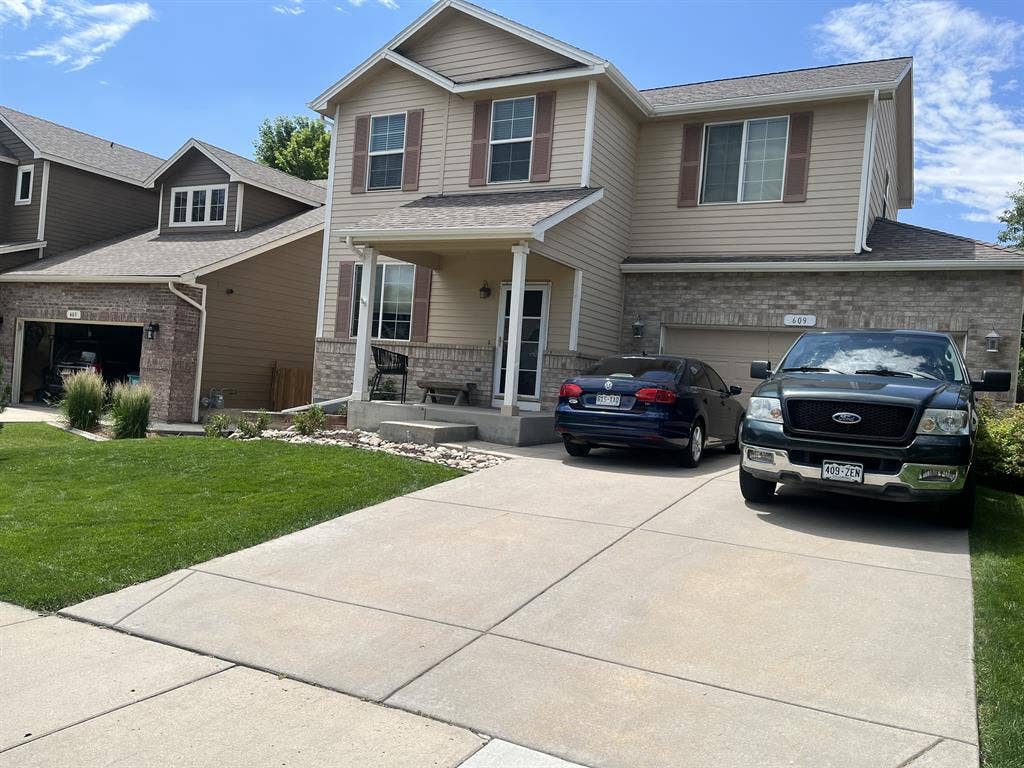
151	74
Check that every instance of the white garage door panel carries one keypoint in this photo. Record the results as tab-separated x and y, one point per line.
730	351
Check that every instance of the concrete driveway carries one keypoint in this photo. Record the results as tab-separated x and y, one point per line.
608	611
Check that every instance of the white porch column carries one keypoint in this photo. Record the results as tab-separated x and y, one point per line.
509	405
367	290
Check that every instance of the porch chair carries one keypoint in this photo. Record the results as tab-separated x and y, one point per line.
389	363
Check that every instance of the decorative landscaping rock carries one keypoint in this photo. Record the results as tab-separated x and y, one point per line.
466	460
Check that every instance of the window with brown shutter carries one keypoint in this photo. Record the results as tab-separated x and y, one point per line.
343	308
798	158
478	148
543	135
360	147
421	303
413	140
689	166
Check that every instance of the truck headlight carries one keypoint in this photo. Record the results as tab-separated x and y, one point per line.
940	421
765	409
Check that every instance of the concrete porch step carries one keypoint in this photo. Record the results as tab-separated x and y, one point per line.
427	432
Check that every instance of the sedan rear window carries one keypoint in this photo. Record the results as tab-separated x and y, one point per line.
647	368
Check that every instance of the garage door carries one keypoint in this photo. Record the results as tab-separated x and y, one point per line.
730	351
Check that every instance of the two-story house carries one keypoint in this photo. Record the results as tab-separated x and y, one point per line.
198	274
505	208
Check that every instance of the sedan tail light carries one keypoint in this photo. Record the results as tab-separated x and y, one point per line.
656	395
570	390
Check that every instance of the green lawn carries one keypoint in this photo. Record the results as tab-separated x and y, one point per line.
81	518
997	563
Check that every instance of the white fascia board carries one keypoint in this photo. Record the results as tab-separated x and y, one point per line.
240	257
15	247
418	69
924	265
89	168
375	236
554	219
24	139
11	160
744	102
29	277
623	84
533	78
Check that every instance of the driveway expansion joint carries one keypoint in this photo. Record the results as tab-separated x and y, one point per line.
920	753
162	592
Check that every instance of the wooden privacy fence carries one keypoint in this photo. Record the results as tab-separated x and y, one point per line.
290	387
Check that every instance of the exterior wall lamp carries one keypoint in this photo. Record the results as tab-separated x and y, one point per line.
638	327
151	330
485	291
992	341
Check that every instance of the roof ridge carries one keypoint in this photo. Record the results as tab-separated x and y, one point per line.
1013	251
778	72
254	162
3	107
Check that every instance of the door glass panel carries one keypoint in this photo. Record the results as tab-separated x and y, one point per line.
529	349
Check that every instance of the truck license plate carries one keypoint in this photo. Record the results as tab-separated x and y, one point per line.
606	400
842	472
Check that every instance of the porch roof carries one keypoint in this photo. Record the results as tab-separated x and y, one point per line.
480	216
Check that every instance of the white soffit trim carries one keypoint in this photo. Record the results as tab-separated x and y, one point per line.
372	236
924	265
217	265
544	225
15	247
6	159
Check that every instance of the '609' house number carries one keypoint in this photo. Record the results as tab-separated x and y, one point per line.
802	321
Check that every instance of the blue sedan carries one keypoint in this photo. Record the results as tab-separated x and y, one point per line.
657	401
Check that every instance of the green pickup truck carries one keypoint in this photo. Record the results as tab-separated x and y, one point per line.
887	414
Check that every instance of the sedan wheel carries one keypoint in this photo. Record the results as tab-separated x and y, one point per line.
691	454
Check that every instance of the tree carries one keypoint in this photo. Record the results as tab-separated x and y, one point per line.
1013	218
297	145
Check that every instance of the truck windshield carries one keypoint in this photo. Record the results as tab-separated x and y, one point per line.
882	354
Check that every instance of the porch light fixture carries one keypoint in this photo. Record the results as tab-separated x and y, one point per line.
485	291
151	330
638	327
992	341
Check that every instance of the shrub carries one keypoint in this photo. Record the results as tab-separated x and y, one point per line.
5	393
1000	449
217	425
129	409
82	404
310	421
251	428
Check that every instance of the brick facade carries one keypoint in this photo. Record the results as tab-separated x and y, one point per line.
971	302
168	362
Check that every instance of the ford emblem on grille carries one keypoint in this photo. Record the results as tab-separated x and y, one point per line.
608	385
845	417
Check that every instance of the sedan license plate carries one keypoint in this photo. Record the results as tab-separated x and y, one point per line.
842	472
607	400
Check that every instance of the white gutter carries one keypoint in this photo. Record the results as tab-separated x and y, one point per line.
432	233
865	161
864	228
321	305
921	265
201	306
35	277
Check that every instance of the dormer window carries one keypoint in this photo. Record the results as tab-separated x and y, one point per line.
511	139
745	161
387	151
23	189
198	206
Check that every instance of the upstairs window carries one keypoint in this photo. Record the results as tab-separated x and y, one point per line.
387	151
744	161
23	188
392	302
511	139
198	206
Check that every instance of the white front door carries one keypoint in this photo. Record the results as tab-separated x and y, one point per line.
531	354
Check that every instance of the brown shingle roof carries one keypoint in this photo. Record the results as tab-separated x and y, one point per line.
270	178
149	254
858	73
101	155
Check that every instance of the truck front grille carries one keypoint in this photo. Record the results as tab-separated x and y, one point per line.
887	423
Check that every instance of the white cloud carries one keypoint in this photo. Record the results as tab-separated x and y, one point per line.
969	148
389	4
90	30
293	8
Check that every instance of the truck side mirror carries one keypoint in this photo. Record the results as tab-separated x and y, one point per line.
760	369
992	381
734	390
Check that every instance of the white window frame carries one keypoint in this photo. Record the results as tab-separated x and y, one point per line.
31	169
356	290
369	154
491	141
743	157
209	189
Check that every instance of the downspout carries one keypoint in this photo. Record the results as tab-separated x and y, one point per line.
201	306
870	149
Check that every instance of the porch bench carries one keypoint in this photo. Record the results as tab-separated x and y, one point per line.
458	392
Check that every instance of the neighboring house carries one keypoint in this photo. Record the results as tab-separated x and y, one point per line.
197	273
512	208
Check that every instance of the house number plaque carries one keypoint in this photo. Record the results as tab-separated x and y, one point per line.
800	321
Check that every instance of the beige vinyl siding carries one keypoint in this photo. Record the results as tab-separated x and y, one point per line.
884	163
194	169
825	223
262	207
270	317
83	207
463	48
22	221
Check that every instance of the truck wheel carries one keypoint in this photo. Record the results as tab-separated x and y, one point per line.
575	449
754	489
958	510
691	455
734	448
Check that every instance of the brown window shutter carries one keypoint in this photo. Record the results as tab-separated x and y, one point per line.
543	134
478	149
343	318
798	158
421	304
413	140
689	165
360	153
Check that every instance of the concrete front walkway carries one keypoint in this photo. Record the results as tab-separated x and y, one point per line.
608	611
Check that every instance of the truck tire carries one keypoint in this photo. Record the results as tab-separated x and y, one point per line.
754	489
958	510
